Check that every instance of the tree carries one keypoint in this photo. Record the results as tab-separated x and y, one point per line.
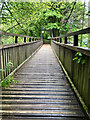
30	17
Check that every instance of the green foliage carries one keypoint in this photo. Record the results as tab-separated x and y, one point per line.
9	79
33	16
9	66
80	58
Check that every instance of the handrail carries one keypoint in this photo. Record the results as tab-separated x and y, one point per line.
75	34
12	34
18	35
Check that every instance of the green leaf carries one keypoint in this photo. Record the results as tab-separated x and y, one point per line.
76	53
80	54
83	61
75	58
79	60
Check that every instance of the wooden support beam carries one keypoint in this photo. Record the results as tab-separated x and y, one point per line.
0	66
32	39
57	39
24	39
65	41
75	40
60	40
29	39
0	40
16	39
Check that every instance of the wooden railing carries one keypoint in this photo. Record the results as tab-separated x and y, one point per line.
75	34
79	73
17	53
17	35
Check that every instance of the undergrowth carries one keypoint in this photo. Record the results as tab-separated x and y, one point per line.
9	79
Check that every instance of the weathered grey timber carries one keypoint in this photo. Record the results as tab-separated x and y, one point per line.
74	34
43	92
11	34
79	73
17	54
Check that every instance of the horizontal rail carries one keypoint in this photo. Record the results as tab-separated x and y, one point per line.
85	51
11	34
17	35
75	34
83	31
7	46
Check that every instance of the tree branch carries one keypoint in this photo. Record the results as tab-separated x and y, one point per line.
12	27
14	18
70	13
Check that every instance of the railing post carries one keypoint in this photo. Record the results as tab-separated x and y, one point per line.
60	40
16	39
33	39
65	41
24	39
75	40
0	66
57	39
29	39
0	40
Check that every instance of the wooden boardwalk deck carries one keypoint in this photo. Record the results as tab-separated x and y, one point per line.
43	92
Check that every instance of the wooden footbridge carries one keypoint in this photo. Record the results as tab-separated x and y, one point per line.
46	90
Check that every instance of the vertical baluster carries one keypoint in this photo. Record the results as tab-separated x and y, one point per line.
29	39
65	41
24	39
57	39
75	40
16	39
0	64
0	40
60	40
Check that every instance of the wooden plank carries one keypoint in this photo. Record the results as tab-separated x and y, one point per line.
38	89
42	118
35	93
44	112
39	101
40	107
